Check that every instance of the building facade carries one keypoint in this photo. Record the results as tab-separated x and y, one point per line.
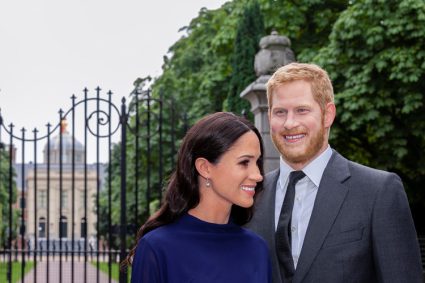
61	194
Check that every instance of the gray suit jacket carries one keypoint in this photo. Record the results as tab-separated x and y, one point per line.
361	228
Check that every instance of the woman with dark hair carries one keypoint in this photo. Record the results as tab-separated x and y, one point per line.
196	235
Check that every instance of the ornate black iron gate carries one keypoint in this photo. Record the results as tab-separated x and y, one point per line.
65	219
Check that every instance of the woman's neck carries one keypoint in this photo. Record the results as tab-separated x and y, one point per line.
210	215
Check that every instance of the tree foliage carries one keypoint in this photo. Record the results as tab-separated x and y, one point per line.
5	197
307	23
198	71
249	32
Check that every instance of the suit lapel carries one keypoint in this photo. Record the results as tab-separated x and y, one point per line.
330	196
268	203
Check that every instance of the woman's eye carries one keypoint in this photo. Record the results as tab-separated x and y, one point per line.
244	162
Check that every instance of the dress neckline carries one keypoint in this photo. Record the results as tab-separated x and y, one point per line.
202	225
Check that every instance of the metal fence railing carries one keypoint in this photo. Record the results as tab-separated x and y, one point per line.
64	219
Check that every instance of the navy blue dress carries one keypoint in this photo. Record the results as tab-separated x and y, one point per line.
192	250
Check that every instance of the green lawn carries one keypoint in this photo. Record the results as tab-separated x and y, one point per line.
103	266
16	270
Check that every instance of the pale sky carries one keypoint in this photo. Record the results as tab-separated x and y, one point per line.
50	50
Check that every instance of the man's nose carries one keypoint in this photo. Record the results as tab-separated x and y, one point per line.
290	121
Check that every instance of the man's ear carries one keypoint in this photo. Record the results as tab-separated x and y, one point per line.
203	167
330	113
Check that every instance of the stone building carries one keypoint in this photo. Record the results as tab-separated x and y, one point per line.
52	212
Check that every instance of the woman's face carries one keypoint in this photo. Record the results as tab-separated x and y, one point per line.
234	177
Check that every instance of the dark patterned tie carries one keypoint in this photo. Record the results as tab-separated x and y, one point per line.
283	231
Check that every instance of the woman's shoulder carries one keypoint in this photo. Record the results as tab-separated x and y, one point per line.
155	240
253	237
158	234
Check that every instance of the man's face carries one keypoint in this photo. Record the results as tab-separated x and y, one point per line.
298	128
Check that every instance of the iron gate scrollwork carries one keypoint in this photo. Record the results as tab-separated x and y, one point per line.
67	218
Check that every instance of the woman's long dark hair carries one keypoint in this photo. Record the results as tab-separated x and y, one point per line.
209	138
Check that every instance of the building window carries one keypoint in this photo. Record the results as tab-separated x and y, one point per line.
42	199
64	199
42	227
83	228
82	198
63	227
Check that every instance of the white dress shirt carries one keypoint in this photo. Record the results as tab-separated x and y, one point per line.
305	195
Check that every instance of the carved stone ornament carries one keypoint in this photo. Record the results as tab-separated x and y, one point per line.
275	52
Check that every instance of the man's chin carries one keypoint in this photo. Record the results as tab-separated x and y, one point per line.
294	156
295	159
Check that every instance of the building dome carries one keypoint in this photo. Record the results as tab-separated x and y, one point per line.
67	148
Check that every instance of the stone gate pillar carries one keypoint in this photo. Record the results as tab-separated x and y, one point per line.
275	52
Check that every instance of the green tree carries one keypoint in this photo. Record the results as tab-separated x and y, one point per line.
198	69
307	23
377	62
248	35
5	196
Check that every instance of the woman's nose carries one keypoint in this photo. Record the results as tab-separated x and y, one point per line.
257	175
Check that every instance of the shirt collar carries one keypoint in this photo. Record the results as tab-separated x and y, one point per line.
314	170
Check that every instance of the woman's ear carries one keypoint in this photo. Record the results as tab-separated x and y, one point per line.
203	167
